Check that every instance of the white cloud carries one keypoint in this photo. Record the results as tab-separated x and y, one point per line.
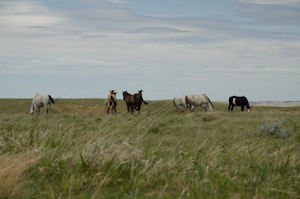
27	13
117	1
288	2
155	30
18	7
105	41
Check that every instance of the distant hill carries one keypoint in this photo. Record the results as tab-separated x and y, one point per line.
272	103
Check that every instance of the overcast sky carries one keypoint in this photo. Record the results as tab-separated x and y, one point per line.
168	48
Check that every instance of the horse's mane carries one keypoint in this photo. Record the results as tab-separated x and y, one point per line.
209	100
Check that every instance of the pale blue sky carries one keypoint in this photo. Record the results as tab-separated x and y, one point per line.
84	48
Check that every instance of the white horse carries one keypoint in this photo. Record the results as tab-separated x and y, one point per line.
180	101
41	101
111	101
199	100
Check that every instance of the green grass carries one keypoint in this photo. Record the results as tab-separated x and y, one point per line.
80	152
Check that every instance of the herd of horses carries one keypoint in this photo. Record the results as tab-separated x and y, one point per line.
134	102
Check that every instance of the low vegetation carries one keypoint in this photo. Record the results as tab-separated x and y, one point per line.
80	152
274	129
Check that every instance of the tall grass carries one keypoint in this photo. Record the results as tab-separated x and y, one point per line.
157	154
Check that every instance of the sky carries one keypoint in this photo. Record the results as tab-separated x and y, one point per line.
167	48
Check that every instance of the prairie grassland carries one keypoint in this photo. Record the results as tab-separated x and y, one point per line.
80	152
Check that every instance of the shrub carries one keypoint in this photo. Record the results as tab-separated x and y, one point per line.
272	129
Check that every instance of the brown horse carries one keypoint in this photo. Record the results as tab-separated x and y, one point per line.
133	101
111	100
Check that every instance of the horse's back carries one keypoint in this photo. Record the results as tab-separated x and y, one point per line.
137	98
238	100
179	100
41	100
197	99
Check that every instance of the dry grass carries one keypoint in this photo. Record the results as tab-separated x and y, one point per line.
11	170
80	152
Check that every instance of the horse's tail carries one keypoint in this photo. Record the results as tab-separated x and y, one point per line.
113	100
186	100
209	101
51	99
143	100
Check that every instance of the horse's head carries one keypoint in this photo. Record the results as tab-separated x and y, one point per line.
140	92
124	94
112	91
31	110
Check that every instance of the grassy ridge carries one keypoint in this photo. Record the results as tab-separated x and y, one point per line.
80	152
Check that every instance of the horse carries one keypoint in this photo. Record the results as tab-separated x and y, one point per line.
238	101
111	100
41	101
199	100
177	101
133	101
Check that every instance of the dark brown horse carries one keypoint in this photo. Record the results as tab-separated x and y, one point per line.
133	101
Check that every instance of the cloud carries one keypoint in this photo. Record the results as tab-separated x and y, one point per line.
117	1
28	13
105	41
155	30
42	27
283	2
269	15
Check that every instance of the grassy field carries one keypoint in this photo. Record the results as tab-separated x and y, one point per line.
80	152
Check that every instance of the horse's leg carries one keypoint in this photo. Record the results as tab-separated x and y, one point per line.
105	108
205	107
232	107
35	108
128	109
192	108
132	110
38	110
139	108
52	107
115	109
46	108
242	108
229	106
108	108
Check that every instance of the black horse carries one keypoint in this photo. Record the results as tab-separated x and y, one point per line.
238	101
133	101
